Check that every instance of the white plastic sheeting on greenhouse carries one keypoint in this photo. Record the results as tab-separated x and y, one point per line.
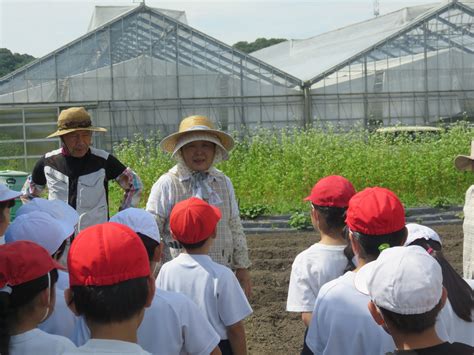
307	58
144	78
104	14
401	75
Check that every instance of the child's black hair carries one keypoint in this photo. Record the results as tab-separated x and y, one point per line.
348	252
334	217
194	245
150	245
57	255
21	296
412	323
111	304
460	294
3	206
372	245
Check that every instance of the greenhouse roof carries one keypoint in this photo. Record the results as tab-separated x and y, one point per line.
142	30
104	14
315	58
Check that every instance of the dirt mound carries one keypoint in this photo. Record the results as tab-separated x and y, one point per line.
272	330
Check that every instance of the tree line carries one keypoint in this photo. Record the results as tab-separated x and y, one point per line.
11	61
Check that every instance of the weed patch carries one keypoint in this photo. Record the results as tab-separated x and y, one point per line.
277	169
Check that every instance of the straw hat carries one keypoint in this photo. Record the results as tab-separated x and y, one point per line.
464	162
74	119
196	124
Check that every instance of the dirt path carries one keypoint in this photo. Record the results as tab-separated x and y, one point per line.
272	330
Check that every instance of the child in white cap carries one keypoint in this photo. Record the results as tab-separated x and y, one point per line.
173	324
68	219
7	201
405	286
455	322
52	234
27	278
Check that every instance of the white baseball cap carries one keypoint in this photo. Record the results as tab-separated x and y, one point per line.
418	231
64	214
404	280
139	220
37	227
7	194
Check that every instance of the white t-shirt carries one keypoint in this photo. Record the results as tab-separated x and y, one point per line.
108	346
213	288
452	328
36	341
62	321
311	269
172	325
342	324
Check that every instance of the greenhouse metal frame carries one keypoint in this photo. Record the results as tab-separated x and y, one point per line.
143	71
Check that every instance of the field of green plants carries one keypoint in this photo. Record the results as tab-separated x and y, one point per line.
272	171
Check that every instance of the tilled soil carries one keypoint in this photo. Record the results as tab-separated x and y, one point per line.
272	330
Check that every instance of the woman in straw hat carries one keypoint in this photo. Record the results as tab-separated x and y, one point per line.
78	174
197	147
466	163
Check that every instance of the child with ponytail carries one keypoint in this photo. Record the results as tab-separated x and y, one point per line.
455	322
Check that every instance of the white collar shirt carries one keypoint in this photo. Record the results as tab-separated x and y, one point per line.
213	288
36	341
342	324
173	325
311	269
109	346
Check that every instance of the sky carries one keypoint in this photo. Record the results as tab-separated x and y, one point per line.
38	27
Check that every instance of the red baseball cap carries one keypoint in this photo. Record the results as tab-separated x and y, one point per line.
106	254
193	220
24	261
375	211
332	191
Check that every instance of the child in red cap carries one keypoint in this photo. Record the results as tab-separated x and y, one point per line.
324	260
110	285
173	324
341	323
212	286
27	296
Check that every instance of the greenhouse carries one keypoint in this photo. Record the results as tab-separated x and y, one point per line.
142	69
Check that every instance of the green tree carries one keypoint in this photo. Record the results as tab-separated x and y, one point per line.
259	43
11	61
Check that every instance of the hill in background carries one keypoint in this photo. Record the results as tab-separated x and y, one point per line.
11	61
259	43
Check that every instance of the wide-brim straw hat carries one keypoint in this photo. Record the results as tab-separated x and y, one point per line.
464	162
192	125
74	119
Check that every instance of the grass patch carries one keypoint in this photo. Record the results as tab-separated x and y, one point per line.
277	169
